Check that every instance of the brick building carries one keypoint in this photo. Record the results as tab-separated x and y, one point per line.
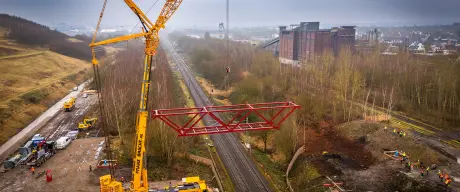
306	41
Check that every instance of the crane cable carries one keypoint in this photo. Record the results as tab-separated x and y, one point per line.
131	32
99	94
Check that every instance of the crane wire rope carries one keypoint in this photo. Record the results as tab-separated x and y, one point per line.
97	78
132	30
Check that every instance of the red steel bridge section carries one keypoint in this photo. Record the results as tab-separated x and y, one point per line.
225	119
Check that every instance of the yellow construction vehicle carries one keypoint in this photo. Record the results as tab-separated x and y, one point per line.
87	123
69	104
139	182
191	184
150	33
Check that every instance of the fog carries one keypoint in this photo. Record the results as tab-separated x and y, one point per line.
243	13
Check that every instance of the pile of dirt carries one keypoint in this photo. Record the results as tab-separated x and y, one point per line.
352	153
387	174
378	140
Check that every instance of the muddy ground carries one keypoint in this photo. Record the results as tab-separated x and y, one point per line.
358	159
63	122
58	126
70	171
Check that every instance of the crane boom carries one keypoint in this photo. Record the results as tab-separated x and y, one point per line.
150	32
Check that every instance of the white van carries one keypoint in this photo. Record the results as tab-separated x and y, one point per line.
63	142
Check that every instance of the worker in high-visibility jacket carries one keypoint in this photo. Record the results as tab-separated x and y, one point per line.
447	182
446	177
32	169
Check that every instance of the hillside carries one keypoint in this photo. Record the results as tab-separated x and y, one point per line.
33	34
38	67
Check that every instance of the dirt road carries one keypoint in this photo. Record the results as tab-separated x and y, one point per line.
12	144
65	121
69	167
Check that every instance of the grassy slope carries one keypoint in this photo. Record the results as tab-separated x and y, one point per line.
26	70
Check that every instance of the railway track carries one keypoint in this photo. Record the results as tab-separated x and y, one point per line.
242	170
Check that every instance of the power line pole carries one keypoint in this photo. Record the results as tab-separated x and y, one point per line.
227	51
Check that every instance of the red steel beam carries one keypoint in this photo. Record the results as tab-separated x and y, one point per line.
233	123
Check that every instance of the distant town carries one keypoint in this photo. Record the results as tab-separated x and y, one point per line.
299	43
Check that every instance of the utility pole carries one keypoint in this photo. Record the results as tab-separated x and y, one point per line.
227	52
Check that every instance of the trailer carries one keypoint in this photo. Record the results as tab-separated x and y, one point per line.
45	152
12	162
26	152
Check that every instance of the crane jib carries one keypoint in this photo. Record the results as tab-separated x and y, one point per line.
150	33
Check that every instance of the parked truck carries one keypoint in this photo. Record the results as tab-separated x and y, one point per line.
69	105
21	157
72	134
42	153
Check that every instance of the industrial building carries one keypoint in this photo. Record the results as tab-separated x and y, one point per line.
304	42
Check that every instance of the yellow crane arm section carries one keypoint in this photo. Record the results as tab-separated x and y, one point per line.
150	32
118	39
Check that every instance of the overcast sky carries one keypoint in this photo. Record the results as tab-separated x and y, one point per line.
208	13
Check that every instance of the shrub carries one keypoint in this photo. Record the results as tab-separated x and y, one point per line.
71	77
34	96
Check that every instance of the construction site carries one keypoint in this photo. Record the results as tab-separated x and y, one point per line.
160	111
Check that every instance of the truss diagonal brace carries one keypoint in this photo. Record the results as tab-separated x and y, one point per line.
268	116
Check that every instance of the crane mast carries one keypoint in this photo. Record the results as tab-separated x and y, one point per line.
150	31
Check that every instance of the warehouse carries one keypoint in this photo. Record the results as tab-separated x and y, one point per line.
304	42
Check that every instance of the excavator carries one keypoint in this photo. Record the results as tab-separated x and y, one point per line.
149	33
87	123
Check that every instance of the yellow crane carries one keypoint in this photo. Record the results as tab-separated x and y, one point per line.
150	33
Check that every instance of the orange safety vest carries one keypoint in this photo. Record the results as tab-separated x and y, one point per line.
32	169
447	181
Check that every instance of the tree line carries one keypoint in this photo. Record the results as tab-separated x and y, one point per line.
121	86
30	33
333	89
